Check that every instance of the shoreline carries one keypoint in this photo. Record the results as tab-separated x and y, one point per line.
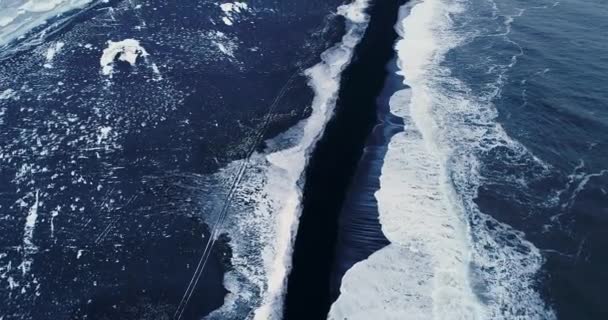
333	164
360	232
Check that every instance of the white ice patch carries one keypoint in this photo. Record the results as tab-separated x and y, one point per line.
227	21
231	11
2	113
127	50
17	17
54	214
229	8
104	133
228	46
424	271
12	284
224	50
8	94
434	268
51	52
29	247
355	11
30	224
263	241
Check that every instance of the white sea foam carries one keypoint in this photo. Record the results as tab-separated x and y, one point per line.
17	17
269	198
424	271
446	260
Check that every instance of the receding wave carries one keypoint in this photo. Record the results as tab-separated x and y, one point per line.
447	259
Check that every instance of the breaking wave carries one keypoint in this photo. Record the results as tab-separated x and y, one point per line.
447	259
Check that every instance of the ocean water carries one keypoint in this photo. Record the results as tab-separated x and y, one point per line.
137	178
553	102
19	17
154	159
493	197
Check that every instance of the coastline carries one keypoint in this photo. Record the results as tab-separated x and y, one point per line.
333	163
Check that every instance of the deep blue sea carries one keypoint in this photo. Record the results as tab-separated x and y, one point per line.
288	159
555	102
544	66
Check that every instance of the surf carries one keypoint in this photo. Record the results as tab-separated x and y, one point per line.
447	259
264	191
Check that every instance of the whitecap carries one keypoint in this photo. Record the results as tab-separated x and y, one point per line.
129	51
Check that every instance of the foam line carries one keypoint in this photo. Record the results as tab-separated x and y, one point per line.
423	272
446	260
271	191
